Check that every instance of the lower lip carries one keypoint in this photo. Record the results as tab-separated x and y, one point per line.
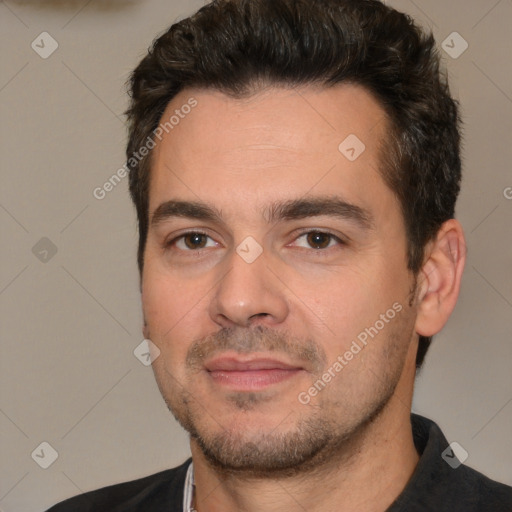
252	380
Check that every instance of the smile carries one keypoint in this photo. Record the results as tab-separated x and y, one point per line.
250	375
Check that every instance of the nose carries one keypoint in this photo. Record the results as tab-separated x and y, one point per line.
249	294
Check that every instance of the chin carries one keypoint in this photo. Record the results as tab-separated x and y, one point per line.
260	450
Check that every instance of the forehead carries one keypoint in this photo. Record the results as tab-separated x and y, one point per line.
278	144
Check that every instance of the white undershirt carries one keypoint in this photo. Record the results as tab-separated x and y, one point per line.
188	493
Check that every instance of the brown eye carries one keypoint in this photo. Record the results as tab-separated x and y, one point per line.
319	240
192	241
195	240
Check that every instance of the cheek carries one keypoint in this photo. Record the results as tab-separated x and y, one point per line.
169	309
171	316
351	302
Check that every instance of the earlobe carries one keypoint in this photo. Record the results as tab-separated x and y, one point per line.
440	277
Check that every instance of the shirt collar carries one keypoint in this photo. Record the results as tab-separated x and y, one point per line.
189	489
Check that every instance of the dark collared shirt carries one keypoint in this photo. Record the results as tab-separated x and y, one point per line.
438	484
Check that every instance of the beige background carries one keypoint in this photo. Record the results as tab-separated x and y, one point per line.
69	325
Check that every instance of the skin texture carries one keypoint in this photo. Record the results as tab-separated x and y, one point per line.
260	447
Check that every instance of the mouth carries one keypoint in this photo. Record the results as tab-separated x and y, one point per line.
250	374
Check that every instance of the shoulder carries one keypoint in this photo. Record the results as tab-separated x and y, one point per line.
440	482
162	491
468	490
463	489
477	492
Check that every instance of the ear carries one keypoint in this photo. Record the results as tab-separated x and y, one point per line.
440	277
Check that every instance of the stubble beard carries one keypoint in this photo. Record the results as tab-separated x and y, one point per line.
312	444
315	440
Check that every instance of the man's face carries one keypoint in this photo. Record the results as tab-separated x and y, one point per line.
259	282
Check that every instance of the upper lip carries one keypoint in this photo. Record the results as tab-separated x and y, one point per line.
234	364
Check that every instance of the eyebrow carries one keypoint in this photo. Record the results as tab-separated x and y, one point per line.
278	211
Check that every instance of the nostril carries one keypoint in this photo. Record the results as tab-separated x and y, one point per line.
257	315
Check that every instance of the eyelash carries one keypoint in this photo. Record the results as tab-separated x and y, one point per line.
172	242
332	236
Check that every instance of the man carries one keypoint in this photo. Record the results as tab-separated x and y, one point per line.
295	166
